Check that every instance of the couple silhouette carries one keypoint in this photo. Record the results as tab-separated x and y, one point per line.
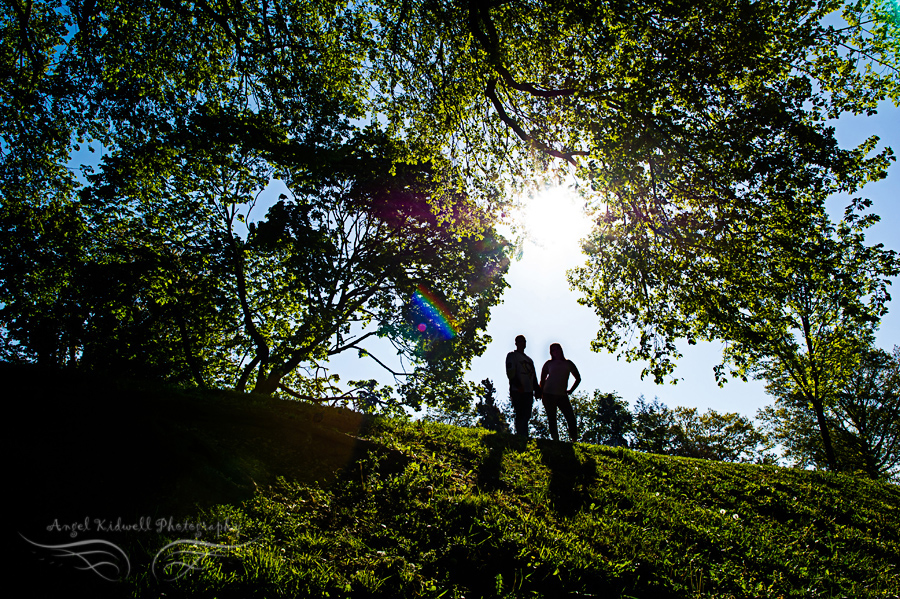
524	388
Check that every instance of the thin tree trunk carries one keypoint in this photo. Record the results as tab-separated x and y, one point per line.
815	397
826	435
262	347
242	381
189	354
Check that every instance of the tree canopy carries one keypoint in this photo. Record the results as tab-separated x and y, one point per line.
160	264
697	130
863	419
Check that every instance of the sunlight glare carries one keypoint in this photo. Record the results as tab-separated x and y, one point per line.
553	223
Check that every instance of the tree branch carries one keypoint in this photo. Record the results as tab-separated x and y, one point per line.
530	89
320	400
382	364
491	92
490	41
339	349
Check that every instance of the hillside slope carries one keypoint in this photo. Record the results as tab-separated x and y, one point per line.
299	501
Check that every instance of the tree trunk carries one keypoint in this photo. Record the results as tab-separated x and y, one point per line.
826	435
267	385
189	355
242	381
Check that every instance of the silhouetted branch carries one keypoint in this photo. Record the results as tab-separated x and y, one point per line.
491	92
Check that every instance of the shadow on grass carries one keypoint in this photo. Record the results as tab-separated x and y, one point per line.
570	477
491	470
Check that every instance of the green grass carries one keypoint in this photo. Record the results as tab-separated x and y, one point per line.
410	509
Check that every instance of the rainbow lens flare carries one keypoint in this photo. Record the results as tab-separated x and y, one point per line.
436	312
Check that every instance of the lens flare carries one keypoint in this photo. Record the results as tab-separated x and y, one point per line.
436	312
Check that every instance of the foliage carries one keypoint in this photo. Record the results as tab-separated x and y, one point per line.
78	293
868	414
653	427
733	243
454	417
603	418
667	99
726	437
371	398
863	420
538	427
489	413
355	253
37	283
794	298
701	155
162	268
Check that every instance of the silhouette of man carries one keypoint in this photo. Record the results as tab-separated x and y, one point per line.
554	380
523	385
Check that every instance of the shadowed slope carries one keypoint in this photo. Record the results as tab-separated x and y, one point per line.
410	509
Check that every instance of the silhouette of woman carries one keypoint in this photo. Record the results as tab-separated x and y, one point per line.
554	380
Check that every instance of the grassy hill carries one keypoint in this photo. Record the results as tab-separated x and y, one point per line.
216	494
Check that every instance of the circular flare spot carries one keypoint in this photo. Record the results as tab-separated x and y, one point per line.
422	328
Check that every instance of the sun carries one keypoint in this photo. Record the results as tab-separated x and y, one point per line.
553	222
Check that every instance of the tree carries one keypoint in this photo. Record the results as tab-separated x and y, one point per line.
603	418
371	250
197	114
653	428
38	116
489	414
696	143
868	414
353	244
707	159
89	74
638	96
794	296
538	427
38	247
666	99
77	291
726	437
864	421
